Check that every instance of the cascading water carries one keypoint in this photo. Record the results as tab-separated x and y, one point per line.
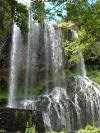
53	54
81	108
55	40
47	57
81	65
14	65
33	39
90	92
61	107
56	54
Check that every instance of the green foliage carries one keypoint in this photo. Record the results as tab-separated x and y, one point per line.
71	48
30	127
30	130
29	123
89	129
11	11
18	132
5	17
63	131
70	73
41	11
21	17
94	75
84	14
38	8
93	53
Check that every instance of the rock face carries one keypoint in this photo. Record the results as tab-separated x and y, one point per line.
4	60
13	120
73	108
39	64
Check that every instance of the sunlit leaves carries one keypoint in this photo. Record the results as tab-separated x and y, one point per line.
82	43
48	10
85	15
89	129
38	10
21	17
11	11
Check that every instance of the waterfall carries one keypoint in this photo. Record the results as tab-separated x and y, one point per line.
54	54
91	93
61	106
81	65
14	64
59	111
47	57
33	39
55	39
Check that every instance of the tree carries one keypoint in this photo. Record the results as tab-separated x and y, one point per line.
38	8
85	15
11	11
43	12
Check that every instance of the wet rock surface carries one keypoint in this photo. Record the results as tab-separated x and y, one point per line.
13	120
73	107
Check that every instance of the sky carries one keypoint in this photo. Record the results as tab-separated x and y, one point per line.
48	5
63	12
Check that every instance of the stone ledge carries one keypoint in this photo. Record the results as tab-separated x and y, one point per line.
13	120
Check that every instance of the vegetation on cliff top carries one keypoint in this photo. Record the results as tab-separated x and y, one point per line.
83	13
11	10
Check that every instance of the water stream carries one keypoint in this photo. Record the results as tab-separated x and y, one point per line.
80	68
54	55
61	106
81	65
33	38
14	64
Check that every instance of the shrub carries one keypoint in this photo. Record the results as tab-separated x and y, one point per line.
89	129
30	130
63	131
94	75
30	127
